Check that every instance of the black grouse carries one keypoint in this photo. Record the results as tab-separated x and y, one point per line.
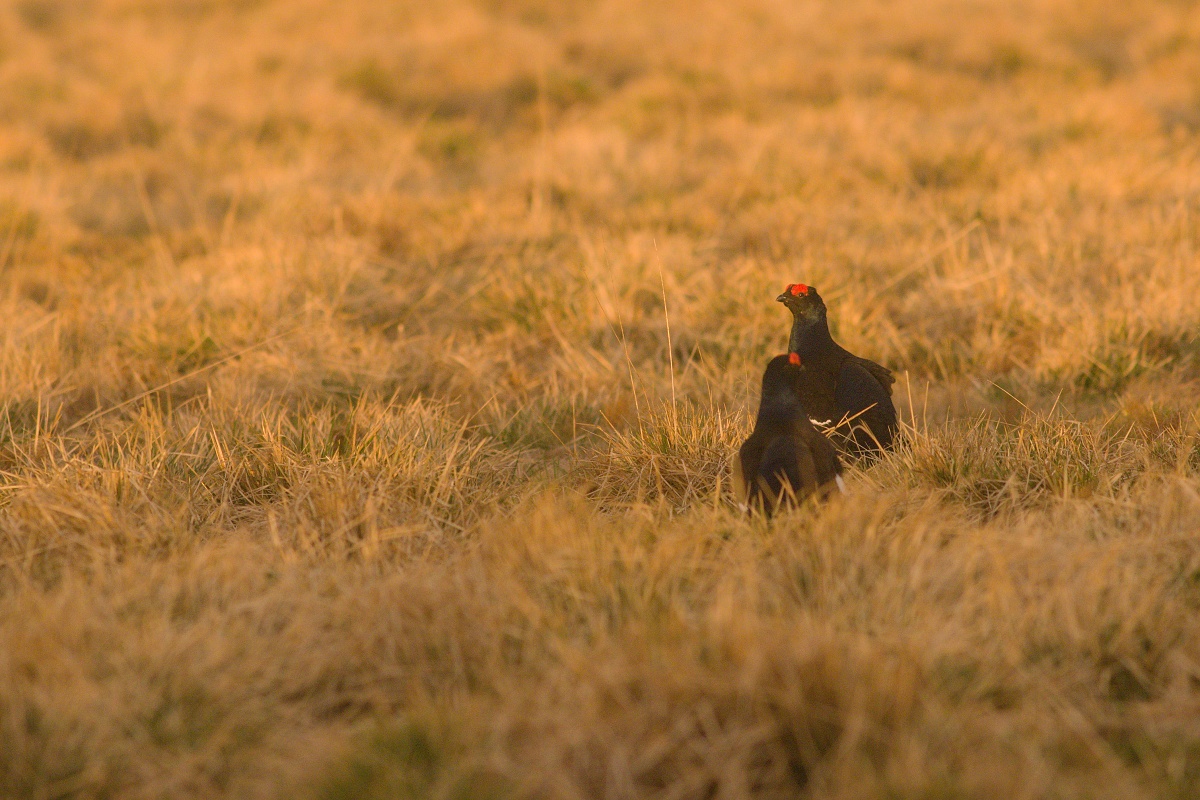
786	459
836	387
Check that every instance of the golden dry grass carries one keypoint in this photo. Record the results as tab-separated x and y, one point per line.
347	451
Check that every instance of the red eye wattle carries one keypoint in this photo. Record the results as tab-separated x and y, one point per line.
794	358
798	289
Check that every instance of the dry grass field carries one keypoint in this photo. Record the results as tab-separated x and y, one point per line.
370	373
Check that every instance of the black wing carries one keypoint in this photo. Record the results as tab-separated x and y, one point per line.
862	398
879	371
745	469
825	458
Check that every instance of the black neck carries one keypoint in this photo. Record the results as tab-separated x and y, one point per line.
809	337
778	409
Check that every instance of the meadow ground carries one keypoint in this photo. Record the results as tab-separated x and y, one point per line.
370	374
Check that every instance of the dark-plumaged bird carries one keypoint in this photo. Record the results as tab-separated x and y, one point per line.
839	388
786	459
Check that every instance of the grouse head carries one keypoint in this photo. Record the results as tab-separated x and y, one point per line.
804	303
781	374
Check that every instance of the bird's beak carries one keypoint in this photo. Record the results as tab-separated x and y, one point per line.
782	298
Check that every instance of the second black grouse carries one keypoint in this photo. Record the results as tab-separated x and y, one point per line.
785	460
